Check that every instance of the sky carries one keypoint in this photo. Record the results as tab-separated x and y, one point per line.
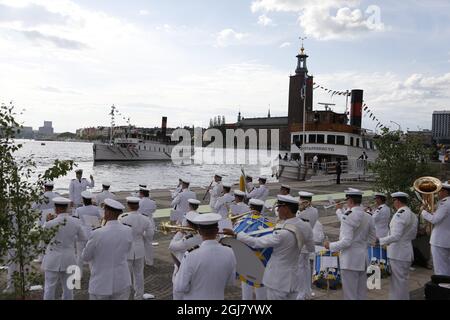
68	61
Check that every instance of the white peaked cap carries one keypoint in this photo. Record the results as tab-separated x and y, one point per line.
353	192
194	201
49	183
256	202
379	194
288	199
87	195
106	183
133	199
239	193
61	201
285	186
114	204
399	195
304	194
207	219
191	216
227	184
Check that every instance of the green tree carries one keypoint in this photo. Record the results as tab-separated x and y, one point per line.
401	160
21	190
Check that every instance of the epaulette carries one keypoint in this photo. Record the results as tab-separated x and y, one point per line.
401	211
128	225
379	208
348	213
226	245
443	200
193	248
305	220
123	215
76	217
96	228
189	236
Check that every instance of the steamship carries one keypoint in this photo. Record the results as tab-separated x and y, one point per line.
131	144
325	134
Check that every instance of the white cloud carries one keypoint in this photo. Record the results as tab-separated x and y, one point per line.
318	21
228	37
144	12
265	21
285	45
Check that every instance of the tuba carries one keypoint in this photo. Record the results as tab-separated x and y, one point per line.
428	187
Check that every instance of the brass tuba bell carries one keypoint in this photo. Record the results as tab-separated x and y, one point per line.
428	187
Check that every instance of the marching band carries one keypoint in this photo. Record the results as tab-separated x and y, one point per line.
280	242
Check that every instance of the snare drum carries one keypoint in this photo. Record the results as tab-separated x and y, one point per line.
327	274
378	256
251	262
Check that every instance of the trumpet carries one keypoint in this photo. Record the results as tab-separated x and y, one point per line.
167	228
334	205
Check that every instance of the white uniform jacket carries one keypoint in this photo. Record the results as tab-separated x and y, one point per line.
107	251
222	204
142	231
381	218
357	232
215	193
403	229
205	271
60	252
76	187
440	236
102	196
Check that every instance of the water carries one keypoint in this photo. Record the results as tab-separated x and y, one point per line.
126	176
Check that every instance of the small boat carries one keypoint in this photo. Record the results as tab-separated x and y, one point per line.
42	143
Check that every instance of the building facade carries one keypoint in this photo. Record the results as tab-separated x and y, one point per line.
441	126
47	129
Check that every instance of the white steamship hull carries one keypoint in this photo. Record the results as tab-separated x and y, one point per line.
144	152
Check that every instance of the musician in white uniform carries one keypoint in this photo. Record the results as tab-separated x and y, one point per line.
440	236
47	203
222	206
290	235
77	186
147	207
381	216
181	242
180	204
105	194
60	252
403	229
285	190
357	232
239	206
207	269
216	191
256	208
262	192
142	240
85	214
178	189
107	252
308	214
249	186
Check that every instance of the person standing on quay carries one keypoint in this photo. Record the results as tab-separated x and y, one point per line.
338	172
77	186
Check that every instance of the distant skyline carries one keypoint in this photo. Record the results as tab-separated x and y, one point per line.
68	61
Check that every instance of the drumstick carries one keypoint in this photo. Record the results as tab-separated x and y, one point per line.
207	191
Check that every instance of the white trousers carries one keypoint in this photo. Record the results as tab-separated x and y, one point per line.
441	260
399	289
247	292
51	281
137	271
354	284
122	295
80	247
273	294
304	290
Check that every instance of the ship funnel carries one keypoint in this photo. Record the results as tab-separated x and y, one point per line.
164	127
356	108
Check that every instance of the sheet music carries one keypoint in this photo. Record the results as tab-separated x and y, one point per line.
329	262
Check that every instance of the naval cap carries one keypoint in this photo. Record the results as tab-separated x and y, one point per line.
194	201
286	199
78	170
106	183
218	174
86	195
113	204
446	185
133	199
61	201
227	185
286	186
353	192
400	195
379	194
239	193
207	219
144	189
256	202
186	180
304	194
191	215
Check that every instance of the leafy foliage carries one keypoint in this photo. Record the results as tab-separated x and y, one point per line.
21	192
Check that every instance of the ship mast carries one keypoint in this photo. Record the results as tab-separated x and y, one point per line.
113	109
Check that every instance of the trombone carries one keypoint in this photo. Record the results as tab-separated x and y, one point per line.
335	204
167	228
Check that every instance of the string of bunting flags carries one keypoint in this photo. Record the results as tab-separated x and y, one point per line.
347	93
